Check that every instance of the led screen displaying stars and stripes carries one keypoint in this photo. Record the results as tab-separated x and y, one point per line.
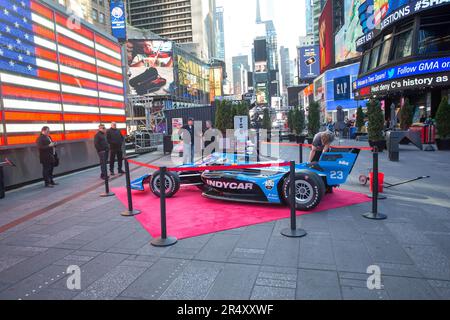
56	72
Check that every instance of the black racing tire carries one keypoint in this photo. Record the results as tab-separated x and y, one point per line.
172	184
309	192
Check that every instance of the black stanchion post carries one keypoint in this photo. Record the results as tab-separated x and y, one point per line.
130	212
257	145
164	240
107	192
293	232
300	151
374	215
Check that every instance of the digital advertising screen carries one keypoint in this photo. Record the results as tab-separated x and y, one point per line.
376	15
261	93
150	67
326	38
261	67
308	62
345	39
193	77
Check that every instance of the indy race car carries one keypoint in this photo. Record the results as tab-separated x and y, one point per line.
259	185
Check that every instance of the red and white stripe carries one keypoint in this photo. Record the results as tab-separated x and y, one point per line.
87	90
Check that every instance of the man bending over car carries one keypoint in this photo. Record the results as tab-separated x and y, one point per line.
321	143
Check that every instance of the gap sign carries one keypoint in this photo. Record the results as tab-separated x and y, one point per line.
118	25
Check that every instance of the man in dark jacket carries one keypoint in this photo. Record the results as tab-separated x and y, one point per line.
101	144
188	135
115	141
47	156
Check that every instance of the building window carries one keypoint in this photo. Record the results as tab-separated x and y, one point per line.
386	47
375	54
101	17
94	14
403	42
434	36
365	62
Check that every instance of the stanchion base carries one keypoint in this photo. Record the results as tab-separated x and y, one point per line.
105	195
293	233
375	216
429	148
380	197
128	213
160	242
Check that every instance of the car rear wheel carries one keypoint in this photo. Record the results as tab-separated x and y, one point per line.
171	183
308	190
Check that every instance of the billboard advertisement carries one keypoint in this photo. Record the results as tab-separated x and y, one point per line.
118	26
215	83
308	62
338	89
193	77
80	92
326	39
261	93
342	88
150	67
261	67
376	15
345	39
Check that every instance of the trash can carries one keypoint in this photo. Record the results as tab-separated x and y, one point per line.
167	144
393	144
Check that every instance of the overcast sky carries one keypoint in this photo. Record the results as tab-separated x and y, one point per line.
240	26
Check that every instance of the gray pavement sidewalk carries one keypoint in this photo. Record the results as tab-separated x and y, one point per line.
411	247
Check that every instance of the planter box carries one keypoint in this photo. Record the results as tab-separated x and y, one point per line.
380	144
443	144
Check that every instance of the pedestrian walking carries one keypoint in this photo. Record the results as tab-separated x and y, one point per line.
188	136
115	140
47	156
102	147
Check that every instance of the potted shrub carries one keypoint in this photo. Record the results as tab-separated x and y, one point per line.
443	125
376	125
406	118
313	120
290	121
359	120
299	124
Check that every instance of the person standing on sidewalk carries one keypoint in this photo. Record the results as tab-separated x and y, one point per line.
47	156
188	136
102	147
115	141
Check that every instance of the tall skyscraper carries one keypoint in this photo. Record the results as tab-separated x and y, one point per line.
239	63
286	74
189	23
220	36
313	11
272	53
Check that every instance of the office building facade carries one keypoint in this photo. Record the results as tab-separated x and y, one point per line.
189	23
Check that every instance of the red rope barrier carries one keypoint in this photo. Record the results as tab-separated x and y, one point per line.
310	145
229	167
144	164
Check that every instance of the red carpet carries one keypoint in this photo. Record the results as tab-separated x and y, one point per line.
190	215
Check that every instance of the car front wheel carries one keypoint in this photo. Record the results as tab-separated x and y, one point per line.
171	183
308	191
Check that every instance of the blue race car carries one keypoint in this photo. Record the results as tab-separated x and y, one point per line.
266	185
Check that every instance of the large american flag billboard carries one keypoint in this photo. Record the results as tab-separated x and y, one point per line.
55	72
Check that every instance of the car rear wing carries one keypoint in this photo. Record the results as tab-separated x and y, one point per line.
329	157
